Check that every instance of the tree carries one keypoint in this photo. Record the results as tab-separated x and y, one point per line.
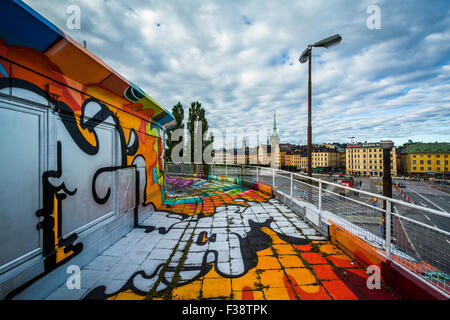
197	113
178	114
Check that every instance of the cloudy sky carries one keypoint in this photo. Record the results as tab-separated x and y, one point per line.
240	60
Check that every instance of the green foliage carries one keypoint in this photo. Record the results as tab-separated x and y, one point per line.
178	113
197	113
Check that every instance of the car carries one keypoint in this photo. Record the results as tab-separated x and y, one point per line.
401	185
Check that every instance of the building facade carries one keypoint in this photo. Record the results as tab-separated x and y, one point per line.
366	159
424	159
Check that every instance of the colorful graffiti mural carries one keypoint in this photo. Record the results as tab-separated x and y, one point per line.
103	124
246	245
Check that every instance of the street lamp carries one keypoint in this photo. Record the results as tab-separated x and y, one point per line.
306	56
386	145
351	156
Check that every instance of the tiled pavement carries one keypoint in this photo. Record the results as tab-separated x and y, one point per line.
245	245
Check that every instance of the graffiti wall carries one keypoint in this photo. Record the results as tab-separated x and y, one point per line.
81	143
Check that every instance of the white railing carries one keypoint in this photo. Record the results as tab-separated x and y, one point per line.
421	248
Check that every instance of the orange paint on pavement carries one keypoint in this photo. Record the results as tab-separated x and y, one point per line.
314	258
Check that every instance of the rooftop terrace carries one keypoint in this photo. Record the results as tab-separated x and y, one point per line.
219	240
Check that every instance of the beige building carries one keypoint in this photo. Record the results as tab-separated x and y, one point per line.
325	158
366	159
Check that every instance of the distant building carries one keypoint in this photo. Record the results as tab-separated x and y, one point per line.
275	145
421	159
263	154
366	159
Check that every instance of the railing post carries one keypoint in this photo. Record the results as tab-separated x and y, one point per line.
292	195
273	177
388	229
257	174
320	203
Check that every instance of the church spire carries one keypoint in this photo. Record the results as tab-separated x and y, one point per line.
274	121
274	130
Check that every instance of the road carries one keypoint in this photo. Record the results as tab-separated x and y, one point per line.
425	195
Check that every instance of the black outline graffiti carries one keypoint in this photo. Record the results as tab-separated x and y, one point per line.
255	241
51	192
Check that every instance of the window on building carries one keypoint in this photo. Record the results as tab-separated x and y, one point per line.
429	156
421	161
429	161
429	168
414	168
421	168
438	162
414	161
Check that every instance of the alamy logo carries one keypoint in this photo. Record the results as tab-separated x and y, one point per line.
374	20
74	280
73	20
374	280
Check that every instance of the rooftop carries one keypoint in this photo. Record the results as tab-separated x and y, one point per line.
219	240
419	147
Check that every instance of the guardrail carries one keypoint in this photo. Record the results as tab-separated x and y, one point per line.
420	248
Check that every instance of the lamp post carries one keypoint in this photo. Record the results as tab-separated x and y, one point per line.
306	56
351	156
387	180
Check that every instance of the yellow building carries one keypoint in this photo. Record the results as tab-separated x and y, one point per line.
425	158
297	157
366	159
325	158
286	159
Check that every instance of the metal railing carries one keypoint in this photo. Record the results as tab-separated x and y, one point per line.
418	247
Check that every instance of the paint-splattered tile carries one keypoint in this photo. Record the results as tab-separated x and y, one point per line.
304	247
284	249
272	278
314	258
268	262
189	291
102	262
339	291
311	292
216	288
248	295
325	272
63	293
328	249
342	261
276	293
290	261
300	276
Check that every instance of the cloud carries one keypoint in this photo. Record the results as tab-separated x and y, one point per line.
240	59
